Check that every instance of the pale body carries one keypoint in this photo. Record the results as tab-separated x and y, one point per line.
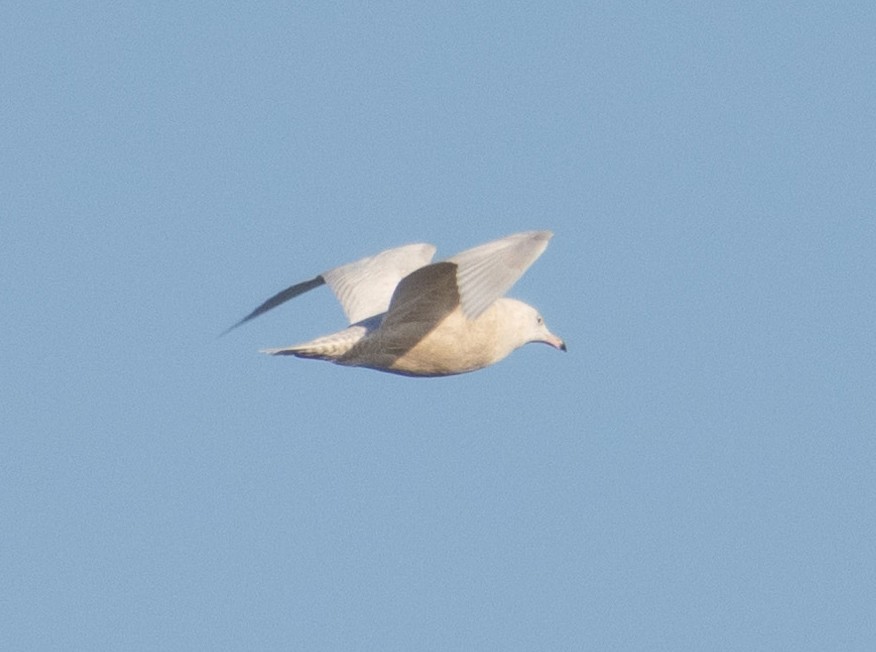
424	319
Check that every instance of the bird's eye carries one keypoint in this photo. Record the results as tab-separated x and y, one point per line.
540	320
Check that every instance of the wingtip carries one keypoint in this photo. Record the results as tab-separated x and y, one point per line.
277	299
543	235
231	328
250	316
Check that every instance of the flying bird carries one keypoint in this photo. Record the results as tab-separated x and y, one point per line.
413	317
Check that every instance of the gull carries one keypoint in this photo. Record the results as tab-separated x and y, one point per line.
413	317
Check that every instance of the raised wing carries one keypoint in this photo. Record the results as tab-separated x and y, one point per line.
488	271
423	298
365	287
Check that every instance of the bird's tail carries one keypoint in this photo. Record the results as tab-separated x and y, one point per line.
328	347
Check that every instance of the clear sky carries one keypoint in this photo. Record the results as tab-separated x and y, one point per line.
698	472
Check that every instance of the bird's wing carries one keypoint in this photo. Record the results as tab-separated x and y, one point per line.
388	282
423	298
472	280
488	271
365	287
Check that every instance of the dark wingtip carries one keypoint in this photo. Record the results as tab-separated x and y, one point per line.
255	313
277	299
231	328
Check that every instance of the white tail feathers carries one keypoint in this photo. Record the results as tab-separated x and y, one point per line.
329	347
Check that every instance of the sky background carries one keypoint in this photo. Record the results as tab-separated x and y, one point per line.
698	472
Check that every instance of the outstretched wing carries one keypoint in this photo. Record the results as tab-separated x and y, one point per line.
364	288
488	271
472	280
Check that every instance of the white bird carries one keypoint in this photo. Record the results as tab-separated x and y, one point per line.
417	318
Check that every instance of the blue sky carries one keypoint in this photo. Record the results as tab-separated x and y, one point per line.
697	472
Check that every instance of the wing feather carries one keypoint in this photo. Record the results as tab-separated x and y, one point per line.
488	271
364	288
